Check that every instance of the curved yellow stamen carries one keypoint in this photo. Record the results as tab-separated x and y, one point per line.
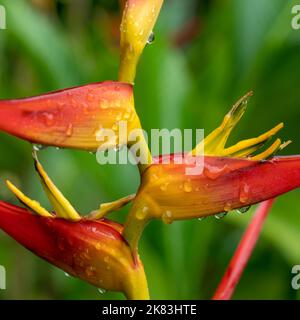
244	144
32	205
215	142
61	205
106	208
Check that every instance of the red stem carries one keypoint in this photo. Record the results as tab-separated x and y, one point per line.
243	253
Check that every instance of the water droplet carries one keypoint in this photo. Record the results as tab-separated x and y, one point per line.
151	38
244	193
115	127
104	104
228	207
67	275
141	214
243	210
38	147
154	176
69	131
167	217
146	210
48	118
101	290
187	186
213	172
90	271
90	97
164	186
127	115
119	116
221	215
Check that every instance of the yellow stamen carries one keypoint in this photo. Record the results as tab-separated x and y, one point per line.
107	208
269	152
60	204
244	144
215	142
32	205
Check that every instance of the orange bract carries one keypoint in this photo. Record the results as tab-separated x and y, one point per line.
71	118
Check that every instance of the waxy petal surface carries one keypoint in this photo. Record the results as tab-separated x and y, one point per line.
225	184
71	118
94	251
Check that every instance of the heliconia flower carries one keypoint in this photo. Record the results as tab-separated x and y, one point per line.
225	184
91	248
139	18
228	178
94	251
72	118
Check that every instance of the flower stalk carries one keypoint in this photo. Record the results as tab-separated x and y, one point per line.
243	252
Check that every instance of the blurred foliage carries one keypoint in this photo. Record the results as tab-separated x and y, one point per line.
206	55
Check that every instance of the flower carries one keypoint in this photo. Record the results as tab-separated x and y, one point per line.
91	248
94	251
72	118
227	178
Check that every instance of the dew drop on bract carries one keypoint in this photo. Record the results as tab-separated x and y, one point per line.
69	130
167	217
151	38
187	186
101	290
221	215
141	214
164	186
244	193
243	210
67	275
38	147
213	173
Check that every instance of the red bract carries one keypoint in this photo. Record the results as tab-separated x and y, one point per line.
225	184
94	251
72	117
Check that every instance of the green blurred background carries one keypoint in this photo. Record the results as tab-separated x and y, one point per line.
206	55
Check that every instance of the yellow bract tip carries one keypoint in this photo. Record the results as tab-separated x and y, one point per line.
138	21
32	205
107	208
61	205
215	143
269	152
